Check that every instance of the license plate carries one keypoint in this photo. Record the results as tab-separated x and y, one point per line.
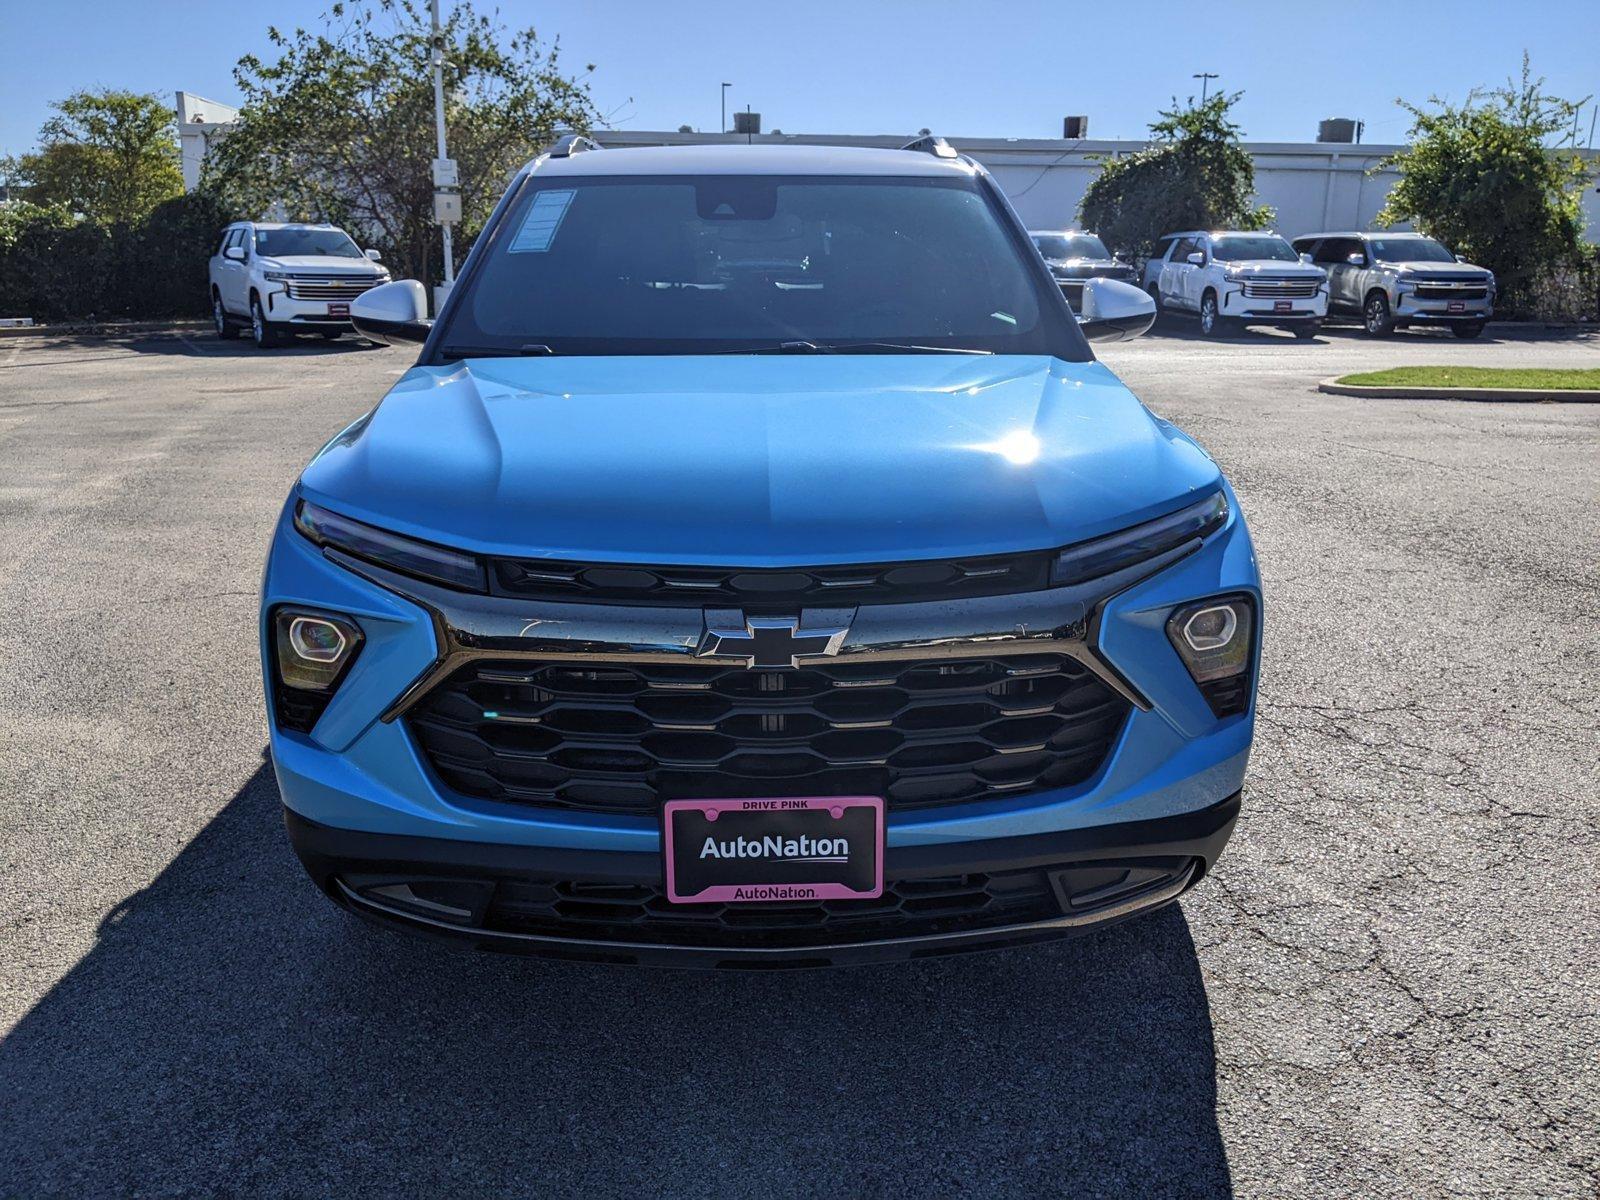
1283	306
1458	306
772	850
338	310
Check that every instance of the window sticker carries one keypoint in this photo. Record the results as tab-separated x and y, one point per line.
540	225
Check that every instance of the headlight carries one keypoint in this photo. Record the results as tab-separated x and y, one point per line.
1089	560
313	648
409	556
1215	639
277	276
1232	278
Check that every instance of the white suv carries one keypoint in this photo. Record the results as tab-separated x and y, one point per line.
281	279
1231	279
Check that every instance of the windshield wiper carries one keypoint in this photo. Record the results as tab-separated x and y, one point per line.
526	350
804	347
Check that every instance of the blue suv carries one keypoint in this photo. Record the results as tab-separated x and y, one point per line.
757	568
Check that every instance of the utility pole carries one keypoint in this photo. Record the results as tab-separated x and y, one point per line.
1205	78
725	88
444	171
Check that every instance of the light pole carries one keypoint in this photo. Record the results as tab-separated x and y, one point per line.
725	88
1205	77
438	120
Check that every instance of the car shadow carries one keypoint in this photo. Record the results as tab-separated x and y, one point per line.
231	1032
206	344
1182	329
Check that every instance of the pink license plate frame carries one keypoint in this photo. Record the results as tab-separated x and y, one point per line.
784	879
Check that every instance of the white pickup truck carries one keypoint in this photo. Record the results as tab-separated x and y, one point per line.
1231	279
277	279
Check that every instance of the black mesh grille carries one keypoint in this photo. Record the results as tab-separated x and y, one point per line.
883	583
623	738
1425	292
639	912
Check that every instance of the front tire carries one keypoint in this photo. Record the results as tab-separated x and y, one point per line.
1308	331
262	331
226	329
1212	322
1375	315
1467	330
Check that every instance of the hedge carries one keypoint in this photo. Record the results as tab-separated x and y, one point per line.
54	267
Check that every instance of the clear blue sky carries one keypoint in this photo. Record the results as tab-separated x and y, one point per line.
1010	68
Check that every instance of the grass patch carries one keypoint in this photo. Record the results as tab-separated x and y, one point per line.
1587	378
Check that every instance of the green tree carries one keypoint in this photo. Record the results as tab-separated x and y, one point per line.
341	126
1196	175
110	155
1498	179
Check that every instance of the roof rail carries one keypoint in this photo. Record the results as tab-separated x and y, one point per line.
928	144
571	144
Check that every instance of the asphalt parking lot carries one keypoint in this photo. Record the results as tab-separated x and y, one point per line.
1389	987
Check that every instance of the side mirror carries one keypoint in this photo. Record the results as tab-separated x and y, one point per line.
373	255
1197	258
1305	257
1356	259
1113	311
236	253
392	313
1461	258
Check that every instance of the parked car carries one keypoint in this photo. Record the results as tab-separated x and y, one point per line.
1391	280
839	609
1232	279
277	280
1074	256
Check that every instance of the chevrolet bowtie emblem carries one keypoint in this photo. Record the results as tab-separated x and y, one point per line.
773	642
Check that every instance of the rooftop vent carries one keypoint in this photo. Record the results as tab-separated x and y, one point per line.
1339	129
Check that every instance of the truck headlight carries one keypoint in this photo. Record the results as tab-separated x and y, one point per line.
1102	556
276	276
409	556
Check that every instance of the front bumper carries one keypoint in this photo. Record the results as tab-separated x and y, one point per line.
309	314
605	906
1413	310
359	772
1295	310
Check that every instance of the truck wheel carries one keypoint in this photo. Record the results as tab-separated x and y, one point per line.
1154	293
1376	316
262	330
1467	329
1308	331
226	329
1212	322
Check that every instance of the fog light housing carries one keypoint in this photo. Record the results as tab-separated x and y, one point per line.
312	651
1216	640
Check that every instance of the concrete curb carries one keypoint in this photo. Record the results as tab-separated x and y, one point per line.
101	328
1571	396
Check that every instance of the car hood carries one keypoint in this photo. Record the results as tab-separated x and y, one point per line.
1273	266
1087	267
758	459
331	264
1439	270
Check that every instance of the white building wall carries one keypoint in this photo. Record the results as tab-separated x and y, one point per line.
1313	185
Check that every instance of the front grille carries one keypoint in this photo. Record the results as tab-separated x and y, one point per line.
914	907
328	289
608	912
745	587
624	738
1280	289
1450	292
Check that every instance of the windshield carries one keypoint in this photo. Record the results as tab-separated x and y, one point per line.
1410	249
1070	245
1266	245
282	243
701	264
